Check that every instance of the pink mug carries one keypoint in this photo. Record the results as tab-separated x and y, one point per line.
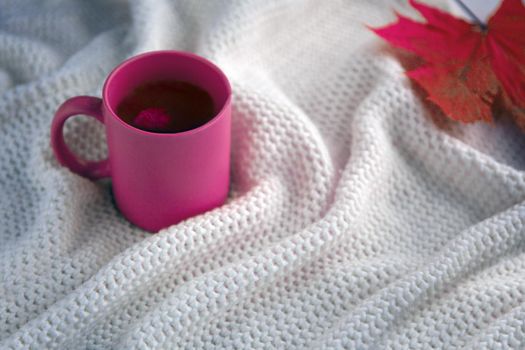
158	179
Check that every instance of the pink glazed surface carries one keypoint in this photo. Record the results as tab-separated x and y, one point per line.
158	179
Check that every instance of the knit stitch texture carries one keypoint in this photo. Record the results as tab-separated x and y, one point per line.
356	218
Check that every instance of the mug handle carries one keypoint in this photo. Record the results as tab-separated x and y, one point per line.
88	105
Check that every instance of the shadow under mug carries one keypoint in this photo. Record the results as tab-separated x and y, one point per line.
158	179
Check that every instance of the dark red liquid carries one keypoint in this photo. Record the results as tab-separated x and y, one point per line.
187	105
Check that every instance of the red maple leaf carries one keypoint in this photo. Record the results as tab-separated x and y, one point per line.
467	66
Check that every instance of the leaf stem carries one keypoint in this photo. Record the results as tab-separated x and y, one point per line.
471	14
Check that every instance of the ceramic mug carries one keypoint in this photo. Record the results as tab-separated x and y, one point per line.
158	179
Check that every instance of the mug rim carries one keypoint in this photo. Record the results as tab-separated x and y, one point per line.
211	65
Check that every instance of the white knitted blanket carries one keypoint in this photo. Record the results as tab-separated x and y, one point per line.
356	219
